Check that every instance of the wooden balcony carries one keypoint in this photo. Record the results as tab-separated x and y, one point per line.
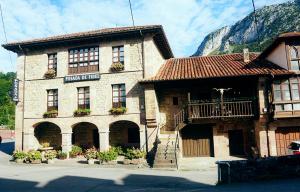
219	110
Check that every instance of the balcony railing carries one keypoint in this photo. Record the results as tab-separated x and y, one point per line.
215	110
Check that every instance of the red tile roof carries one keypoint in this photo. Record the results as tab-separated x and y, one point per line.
229	65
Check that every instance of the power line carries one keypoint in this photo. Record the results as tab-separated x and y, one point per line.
4	31
256	25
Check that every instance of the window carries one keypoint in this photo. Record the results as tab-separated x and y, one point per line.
286	92
83	98
84	60
295	58
52	99
52	61
175	100
118	95
118	54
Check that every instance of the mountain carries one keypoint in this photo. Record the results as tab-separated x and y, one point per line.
271	21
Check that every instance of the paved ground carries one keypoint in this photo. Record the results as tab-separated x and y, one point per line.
86	178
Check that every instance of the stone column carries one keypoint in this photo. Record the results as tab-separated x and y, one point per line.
29	141
66	142
104	140
142	138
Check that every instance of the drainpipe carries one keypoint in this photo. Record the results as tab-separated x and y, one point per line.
23	110
269	116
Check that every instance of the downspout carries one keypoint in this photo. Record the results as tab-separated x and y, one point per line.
269	116
23	99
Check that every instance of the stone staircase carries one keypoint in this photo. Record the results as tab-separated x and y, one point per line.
165	154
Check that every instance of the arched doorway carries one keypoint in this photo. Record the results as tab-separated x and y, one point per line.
125	134
85	135
47	132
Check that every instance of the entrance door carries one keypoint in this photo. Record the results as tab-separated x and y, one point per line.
284	136
236	142
197	141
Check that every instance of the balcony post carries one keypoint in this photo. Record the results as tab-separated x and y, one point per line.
189	106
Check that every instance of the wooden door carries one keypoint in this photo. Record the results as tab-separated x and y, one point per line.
236	142
284	136
197	141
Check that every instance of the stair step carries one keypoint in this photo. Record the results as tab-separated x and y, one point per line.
165	161
164	166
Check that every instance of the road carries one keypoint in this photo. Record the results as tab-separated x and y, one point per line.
55	178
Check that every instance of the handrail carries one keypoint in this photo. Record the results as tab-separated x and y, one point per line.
178	118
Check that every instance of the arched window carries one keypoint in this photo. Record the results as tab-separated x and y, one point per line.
295	59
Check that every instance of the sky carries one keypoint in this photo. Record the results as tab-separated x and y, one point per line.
186	22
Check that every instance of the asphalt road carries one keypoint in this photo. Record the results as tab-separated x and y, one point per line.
14	177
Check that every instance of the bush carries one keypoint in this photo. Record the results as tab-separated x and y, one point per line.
134	154
50	74
90	153
75	151
107	156
117	67
50	154
62	155
45	144
19	155
50	114
81	112
119	150
118	110
34	155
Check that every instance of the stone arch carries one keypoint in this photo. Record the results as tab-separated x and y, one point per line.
124	133
85	135
47	132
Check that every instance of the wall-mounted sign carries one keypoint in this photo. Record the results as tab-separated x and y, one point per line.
15	91
84	77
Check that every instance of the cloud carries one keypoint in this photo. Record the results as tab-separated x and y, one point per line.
185	22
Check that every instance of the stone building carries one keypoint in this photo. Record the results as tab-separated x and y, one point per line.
82	88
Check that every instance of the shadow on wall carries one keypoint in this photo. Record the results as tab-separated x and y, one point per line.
7	147
142	183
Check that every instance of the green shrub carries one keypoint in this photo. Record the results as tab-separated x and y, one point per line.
134	154
106	156
50	114
50	74
119	150
50	154
118	110
19	155
62	155
81	112
117	66
75	151
90	154
34	155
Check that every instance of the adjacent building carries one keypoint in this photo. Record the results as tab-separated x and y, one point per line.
122	86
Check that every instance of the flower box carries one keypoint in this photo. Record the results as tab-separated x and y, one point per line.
50	74
50	114
115	67
118	110
82	112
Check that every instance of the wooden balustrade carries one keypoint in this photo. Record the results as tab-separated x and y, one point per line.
217	110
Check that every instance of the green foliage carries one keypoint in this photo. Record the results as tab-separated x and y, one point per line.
90	153
119	150
134	154
50	114
117	66
34	155
50	74
19	155
75	151
118	110
50	154
81	112
106	156
7	107
62	155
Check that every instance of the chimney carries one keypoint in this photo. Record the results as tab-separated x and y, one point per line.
246	55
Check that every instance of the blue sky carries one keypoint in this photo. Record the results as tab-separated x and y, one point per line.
186	22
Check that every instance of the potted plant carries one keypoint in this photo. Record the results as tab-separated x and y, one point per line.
118	66
19	156
34	157
50	155
91	155
134	156
62	155
118	110
75	151
50	114
108	157
50	74
81	112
